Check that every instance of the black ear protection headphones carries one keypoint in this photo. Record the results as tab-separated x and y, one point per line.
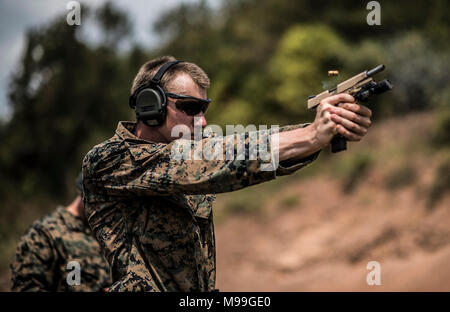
149	100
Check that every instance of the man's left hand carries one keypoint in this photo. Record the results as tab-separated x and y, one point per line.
353	120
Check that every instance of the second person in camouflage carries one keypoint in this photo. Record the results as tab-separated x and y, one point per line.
50	244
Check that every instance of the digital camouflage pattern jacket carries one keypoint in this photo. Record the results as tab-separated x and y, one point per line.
152	213
42	255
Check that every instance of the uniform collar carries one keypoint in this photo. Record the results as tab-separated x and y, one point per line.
139	148
126	130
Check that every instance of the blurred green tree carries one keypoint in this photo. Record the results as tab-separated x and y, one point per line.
65	96
300	64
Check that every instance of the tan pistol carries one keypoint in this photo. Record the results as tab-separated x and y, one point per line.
362	87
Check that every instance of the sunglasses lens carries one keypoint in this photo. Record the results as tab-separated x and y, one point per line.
191	107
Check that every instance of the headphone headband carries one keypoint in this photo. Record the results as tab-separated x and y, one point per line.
157	78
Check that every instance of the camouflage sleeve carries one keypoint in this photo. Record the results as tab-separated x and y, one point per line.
144	169
34	264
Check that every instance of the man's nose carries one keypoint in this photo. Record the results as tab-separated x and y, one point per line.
200	120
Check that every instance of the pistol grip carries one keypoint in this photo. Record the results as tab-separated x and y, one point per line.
338	143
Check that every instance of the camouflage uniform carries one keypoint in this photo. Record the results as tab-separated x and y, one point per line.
151	213
48	246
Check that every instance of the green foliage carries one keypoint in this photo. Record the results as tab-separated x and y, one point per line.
64	92
304	54
114	22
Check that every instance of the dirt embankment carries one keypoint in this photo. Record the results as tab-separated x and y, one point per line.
325	241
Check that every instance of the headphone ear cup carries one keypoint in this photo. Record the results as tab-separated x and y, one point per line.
150	102
151	106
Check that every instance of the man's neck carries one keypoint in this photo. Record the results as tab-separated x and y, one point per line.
152	135
76	207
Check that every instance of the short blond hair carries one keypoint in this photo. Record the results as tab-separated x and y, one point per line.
150	68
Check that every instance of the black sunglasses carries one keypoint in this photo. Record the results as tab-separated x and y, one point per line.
191	105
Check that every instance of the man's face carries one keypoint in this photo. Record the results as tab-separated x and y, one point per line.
183	85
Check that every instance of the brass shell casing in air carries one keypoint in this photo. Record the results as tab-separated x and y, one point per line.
333	73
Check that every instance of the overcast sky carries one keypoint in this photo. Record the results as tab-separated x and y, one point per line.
16	16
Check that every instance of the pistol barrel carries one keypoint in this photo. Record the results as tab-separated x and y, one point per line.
375	70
